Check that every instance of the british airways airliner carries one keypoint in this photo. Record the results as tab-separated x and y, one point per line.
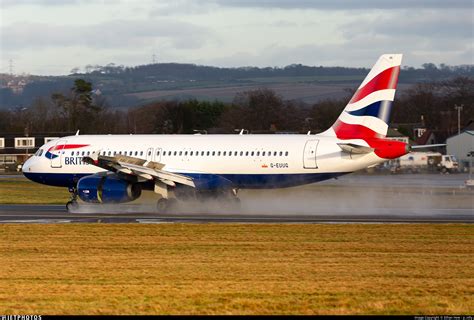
116	168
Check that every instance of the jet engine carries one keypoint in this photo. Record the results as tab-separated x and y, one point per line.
107	189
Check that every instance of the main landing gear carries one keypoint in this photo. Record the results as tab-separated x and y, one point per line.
199	201
72	204
166	205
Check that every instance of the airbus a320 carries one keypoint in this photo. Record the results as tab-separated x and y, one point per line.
116	168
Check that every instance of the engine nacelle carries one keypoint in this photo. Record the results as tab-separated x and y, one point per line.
107	189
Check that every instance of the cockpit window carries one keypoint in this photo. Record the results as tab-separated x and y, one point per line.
39	152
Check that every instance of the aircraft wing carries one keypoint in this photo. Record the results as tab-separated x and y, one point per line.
147	170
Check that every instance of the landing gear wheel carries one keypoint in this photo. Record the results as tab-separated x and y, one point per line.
166	205
162	205
172	205
72	206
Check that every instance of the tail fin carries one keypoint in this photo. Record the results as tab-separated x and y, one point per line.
368	112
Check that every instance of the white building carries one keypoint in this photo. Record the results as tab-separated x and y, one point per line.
460	145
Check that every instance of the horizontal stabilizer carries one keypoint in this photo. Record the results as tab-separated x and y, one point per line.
352	148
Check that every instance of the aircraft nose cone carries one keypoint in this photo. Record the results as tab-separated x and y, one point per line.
27	166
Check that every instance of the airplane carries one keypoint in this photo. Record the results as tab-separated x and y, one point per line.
116	168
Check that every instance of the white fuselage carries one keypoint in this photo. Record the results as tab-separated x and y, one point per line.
249	161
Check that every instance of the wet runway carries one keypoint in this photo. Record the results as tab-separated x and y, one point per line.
429	198
58	214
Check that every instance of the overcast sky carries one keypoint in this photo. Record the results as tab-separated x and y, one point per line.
54	36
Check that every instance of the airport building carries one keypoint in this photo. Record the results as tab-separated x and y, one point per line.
460	146
16	148
394	134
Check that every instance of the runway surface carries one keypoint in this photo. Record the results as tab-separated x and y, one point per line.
57	214
428	198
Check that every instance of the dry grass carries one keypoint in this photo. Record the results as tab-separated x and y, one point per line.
236	269
23	191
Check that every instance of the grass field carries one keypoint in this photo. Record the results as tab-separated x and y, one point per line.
236	269
23	191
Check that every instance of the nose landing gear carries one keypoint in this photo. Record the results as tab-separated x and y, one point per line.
72	204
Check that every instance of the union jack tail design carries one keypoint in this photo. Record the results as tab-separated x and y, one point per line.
368	112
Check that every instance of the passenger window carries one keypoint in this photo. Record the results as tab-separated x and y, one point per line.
175	153
191	153
107	153
258	153
225	153
185	153
213	153
208	153
141	153
286	154
274	154
235	153
252	153
72	153
136	153
241	153
281	153
158	153
169	153
181	153
246	154
218	153
83	152
263	154
202	153
115	153
88	153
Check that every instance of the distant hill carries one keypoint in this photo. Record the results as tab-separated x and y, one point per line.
131	86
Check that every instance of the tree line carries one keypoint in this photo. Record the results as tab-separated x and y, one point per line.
186	71
259	111
117	81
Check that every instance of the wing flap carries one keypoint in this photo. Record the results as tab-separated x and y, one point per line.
160	174
145	169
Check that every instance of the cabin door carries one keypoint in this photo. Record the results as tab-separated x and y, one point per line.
309	154
56	154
